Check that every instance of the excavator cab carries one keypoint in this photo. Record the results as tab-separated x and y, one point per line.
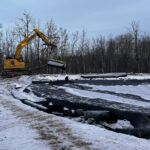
10	64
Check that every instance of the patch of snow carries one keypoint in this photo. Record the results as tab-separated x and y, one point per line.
57	77
139	76
17	86
104	96
139	90
26	96
121	124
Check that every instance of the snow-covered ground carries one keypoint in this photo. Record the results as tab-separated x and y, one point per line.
138	76
139	90
107	97
23	127
15	134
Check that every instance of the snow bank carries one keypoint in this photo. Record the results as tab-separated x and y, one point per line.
55	77
19	94
139	76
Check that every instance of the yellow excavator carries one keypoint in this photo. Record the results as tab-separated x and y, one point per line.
17	65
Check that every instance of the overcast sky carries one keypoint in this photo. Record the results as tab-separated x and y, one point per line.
96	16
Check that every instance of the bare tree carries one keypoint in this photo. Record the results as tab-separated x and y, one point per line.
73	46
52	34
83	48
63	43
135	34
23	28
74	40
1	36
9	44
1	51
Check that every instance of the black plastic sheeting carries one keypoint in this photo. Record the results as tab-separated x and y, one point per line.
138	117
140	121
96	82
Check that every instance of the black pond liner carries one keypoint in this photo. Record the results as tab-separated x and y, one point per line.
140	120
97	82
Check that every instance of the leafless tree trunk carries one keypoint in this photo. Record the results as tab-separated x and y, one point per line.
135	33
23	28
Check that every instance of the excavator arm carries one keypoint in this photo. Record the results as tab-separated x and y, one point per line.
44	38
28	40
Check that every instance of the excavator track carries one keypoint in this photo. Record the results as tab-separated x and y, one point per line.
14	73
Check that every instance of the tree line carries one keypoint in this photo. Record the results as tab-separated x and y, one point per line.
128	52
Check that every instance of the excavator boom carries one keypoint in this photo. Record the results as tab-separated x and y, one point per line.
28	40
22	44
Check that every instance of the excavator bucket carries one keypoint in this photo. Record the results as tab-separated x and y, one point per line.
57	64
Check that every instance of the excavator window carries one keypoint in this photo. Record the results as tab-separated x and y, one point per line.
12	63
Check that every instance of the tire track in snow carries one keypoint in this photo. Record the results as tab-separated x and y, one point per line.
50	128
